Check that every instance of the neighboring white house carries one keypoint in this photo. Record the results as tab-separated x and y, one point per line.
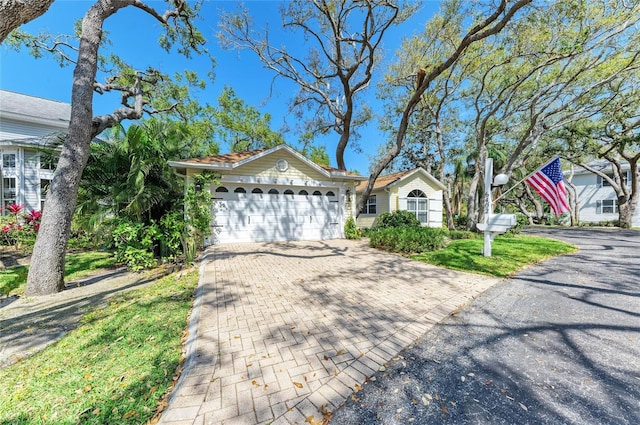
274	194
414	190
28	127
597	201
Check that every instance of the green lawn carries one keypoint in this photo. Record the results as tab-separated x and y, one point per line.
78	265
113	369
509	254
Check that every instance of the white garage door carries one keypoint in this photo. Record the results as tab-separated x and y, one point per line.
266	214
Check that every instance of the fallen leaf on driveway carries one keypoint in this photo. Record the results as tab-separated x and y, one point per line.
444	408
298	384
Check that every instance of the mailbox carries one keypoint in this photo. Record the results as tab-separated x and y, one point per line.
498	223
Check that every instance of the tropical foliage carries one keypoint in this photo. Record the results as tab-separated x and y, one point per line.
132	200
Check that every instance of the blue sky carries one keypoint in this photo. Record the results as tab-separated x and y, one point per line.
134	34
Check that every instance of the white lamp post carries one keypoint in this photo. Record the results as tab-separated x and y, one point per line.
489	183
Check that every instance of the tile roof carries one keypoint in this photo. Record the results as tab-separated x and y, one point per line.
229	158
384	181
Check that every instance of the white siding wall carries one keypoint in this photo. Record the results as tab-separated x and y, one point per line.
12	129
31	182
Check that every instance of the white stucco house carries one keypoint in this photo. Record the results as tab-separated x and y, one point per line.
274	194
414	190
597	201
30	128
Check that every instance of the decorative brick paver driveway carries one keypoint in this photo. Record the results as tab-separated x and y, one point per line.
286	332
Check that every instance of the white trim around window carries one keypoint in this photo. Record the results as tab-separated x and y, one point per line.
607	206
372	205
418	204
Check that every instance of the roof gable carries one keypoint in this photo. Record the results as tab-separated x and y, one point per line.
231	161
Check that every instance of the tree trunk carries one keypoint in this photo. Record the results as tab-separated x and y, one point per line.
17	12
624	213
46	275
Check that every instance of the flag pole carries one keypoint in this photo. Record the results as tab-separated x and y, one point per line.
529	175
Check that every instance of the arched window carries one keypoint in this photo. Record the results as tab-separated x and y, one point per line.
222	189
330	193
288	192
417	204
303	192
317	193
257	190
273	191
240	190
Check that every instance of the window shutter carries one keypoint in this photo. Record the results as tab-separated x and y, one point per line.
598	207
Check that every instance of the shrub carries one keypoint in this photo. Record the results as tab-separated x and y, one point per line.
462	234
521	221
134	243
350	229
398	218
407	240
460	221
19	228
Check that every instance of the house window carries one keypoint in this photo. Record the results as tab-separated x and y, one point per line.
417	204
8	191
239	190
288	192
303	192
604	183
626	179
273	191
371	206
257	190
9	160
317	193
222	189
44	188
607	206
48	162
330	193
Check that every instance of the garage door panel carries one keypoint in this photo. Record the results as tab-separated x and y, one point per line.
247	217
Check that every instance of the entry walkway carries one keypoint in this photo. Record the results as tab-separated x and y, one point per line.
284	333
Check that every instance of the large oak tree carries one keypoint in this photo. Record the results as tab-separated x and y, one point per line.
17	12
46	274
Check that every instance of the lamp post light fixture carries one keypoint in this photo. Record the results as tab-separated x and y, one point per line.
489	183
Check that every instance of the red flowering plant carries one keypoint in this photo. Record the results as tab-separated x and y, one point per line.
18	228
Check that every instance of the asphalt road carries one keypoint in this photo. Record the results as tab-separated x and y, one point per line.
558	344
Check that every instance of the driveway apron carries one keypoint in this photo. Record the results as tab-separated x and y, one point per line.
283	333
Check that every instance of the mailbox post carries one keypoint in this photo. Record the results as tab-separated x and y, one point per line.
493	223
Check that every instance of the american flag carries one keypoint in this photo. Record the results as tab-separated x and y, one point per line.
548	182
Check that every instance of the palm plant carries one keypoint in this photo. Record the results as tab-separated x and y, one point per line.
128	175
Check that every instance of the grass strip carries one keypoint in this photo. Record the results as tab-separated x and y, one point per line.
77	265
112	369
509	254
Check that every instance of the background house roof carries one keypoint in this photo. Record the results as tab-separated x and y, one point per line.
599	165
34	109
